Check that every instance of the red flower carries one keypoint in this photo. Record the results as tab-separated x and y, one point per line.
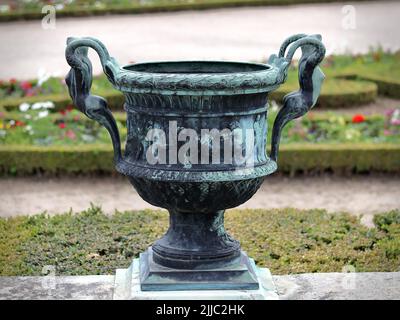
70	107
358	118
61	125
26	85
19	123
13	81
63	112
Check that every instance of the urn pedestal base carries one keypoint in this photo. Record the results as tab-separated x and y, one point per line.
128	287
237	275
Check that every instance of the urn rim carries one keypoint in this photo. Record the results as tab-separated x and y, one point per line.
171	77
180	175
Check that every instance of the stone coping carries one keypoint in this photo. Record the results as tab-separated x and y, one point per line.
313	286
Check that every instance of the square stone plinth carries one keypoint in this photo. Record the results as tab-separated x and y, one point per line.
127	287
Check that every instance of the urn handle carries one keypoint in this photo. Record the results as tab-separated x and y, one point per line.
79	82
298	103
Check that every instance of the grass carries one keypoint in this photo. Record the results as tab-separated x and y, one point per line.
286	241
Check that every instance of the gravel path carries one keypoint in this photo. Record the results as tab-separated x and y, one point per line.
249	33
358	195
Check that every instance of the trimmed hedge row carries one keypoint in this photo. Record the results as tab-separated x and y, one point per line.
342	93
386	87
293	158
160	7
286	241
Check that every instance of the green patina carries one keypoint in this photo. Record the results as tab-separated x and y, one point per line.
194	96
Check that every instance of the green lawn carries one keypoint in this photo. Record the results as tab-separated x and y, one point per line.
286	241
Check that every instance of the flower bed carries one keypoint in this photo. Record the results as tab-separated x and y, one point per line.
36	124
292	241
37	141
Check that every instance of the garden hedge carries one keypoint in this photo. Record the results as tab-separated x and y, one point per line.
286	241
167	6
386	87
336	93
293	158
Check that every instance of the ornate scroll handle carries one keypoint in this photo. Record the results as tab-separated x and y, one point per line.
79	82
298	103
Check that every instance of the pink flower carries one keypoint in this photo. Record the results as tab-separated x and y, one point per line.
61	125
30	93
387	132
389	112
26	85
70	134
395	122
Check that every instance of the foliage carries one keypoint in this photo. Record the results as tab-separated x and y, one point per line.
34	125
334	127
335	93
286	241
382	68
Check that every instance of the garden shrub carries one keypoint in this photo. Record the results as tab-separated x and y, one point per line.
286	241
335	93
293	158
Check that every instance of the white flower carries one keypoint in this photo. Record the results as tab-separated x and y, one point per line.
23	107
28	116
43	76
28	128
4	8
43	114
12	122
36	106
274	106
59	6
396	114
47	105
3	133
42	105
99	4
